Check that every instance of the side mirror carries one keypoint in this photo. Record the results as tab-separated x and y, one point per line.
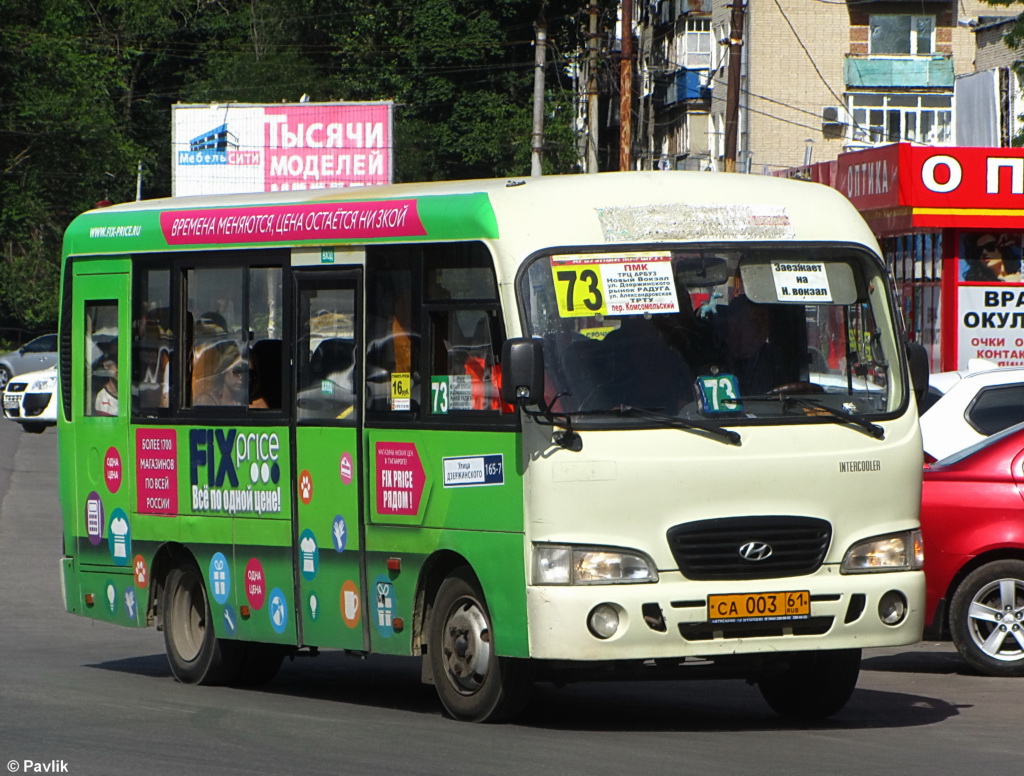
917	358
522	371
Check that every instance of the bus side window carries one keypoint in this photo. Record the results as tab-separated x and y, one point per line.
220	369
152	342
265	317
464	354
393	343
461	297
101	363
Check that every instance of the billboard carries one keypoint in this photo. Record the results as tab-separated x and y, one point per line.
235	148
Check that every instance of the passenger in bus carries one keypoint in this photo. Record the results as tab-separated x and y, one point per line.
106	397
221	376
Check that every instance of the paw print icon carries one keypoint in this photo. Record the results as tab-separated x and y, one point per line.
305	487
141	572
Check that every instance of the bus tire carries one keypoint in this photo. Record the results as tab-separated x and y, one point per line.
195	654
814	686
983	618
473	683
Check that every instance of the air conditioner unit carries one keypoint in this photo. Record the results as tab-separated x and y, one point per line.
833	116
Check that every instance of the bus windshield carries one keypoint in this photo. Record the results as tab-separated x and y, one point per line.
739	334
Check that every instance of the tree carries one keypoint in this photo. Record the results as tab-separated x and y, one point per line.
86	88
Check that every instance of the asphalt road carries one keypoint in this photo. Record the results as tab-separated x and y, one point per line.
85	698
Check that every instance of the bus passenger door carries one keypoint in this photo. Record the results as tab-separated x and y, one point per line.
99	424
328	533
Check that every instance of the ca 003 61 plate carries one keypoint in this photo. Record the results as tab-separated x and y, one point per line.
760	607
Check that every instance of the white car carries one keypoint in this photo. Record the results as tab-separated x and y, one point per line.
31	400
968	406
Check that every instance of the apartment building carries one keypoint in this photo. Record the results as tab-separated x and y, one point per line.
821	77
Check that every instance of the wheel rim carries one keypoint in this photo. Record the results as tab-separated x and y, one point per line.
187	618
5	377
466	646
995	619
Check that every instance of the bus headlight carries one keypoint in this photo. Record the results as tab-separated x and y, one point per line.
902	551
561	564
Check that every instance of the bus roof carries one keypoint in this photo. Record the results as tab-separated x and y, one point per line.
526	214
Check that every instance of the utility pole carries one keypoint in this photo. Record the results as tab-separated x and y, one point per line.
538	102
593	10
732	92
626	88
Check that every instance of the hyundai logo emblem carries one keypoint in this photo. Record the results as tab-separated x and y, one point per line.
755	551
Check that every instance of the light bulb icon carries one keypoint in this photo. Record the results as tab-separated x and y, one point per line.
313	605
111	595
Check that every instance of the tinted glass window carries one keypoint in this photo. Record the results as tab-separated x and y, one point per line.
997	408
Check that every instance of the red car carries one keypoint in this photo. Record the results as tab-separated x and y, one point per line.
972	519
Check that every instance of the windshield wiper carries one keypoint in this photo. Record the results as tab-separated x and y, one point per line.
724	434
873	429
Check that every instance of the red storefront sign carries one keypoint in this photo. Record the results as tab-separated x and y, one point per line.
902	187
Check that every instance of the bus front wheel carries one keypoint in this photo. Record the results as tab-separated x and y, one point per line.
814	686
473	683
195	654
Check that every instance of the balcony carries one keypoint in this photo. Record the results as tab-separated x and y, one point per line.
898	72
682	86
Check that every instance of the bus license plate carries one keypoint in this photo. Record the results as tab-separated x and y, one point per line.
760	607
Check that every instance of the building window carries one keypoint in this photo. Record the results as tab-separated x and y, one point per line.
901	35
890	118
694	45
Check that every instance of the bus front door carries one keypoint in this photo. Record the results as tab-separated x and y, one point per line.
328	531
99	427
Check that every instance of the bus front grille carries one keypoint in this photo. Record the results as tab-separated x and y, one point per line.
758	547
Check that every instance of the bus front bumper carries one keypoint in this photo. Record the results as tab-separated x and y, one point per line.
672	618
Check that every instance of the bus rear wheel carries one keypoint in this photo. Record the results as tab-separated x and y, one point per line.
195	654
814	686
473	683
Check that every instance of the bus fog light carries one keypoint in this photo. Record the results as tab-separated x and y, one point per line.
892	609
603	621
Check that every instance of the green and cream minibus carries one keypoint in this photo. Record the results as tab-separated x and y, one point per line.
626	425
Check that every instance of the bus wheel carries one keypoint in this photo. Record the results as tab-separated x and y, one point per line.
987	618
815	685
195	654
473	683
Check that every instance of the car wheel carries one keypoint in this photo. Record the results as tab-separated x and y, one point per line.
473	683
814	686
5	376
986	618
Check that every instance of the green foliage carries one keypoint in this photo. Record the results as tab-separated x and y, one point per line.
86	90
